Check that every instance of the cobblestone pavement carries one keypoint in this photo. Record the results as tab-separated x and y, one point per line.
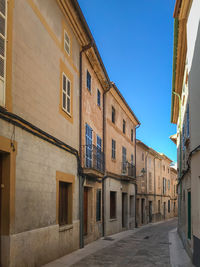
147	247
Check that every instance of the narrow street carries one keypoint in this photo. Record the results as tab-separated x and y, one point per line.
146	246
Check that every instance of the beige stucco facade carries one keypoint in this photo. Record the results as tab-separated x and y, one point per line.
119	183
156	186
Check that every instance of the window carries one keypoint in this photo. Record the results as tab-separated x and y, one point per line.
3	37
99	158
158	206
164	186
158	181
164	168
132	159
168	170
98	205
66	94
65	203
88	148
112	205
66	43
98	98
88	81
113	149
113	114
142	156
131	135
132	206
123	159
168	205
150	162
168	184
124	126
150	182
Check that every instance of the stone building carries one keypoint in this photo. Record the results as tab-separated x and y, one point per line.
120	153
185	113
94	84
156	186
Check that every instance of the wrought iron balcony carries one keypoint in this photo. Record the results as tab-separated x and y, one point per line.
93	158
128	169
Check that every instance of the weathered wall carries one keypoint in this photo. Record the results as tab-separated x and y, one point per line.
37	238
38	28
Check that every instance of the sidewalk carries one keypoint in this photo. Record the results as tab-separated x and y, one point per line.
178	255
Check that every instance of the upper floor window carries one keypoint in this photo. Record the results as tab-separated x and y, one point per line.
131	135
188	120
66	94
113	149
150	181
164	186
3	22
88	81
113	114
123	159
132	159
163	167
98	98
124	126
66	42
142	156
168	184
150	162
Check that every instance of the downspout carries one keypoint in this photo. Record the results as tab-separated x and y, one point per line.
104	149
136	179
81	178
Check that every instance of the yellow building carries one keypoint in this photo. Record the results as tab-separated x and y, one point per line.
119	181
156	186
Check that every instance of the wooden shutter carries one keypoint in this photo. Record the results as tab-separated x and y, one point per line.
3	29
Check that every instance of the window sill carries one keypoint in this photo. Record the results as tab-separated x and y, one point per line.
65	227
113	220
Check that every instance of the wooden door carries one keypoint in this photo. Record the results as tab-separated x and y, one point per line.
189	215
150	211
85	210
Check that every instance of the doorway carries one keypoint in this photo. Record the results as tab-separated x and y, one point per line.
85	212
124	210
164	210
150	211
142	210
189	215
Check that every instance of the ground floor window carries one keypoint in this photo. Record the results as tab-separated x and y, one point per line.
98	205
113	204
132	206
65	203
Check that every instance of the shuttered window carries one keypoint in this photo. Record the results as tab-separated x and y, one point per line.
113	149
188	121
88	149
112	205
150	182
123	159
98	98
3	30
113	114
65	205
66	43
88	81
131	135
66	94
98	205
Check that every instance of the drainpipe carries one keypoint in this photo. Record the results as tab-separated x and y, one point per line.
180	154
104	150
136	179
81	178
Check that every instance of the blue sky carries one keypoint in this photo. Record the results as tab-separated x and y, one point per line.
135	40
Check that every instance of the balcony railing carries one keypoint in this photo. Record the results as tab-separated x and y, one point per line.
93	158
128	169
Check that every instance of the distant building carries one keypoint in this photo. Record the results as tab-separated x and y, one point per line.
185	113
156	186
